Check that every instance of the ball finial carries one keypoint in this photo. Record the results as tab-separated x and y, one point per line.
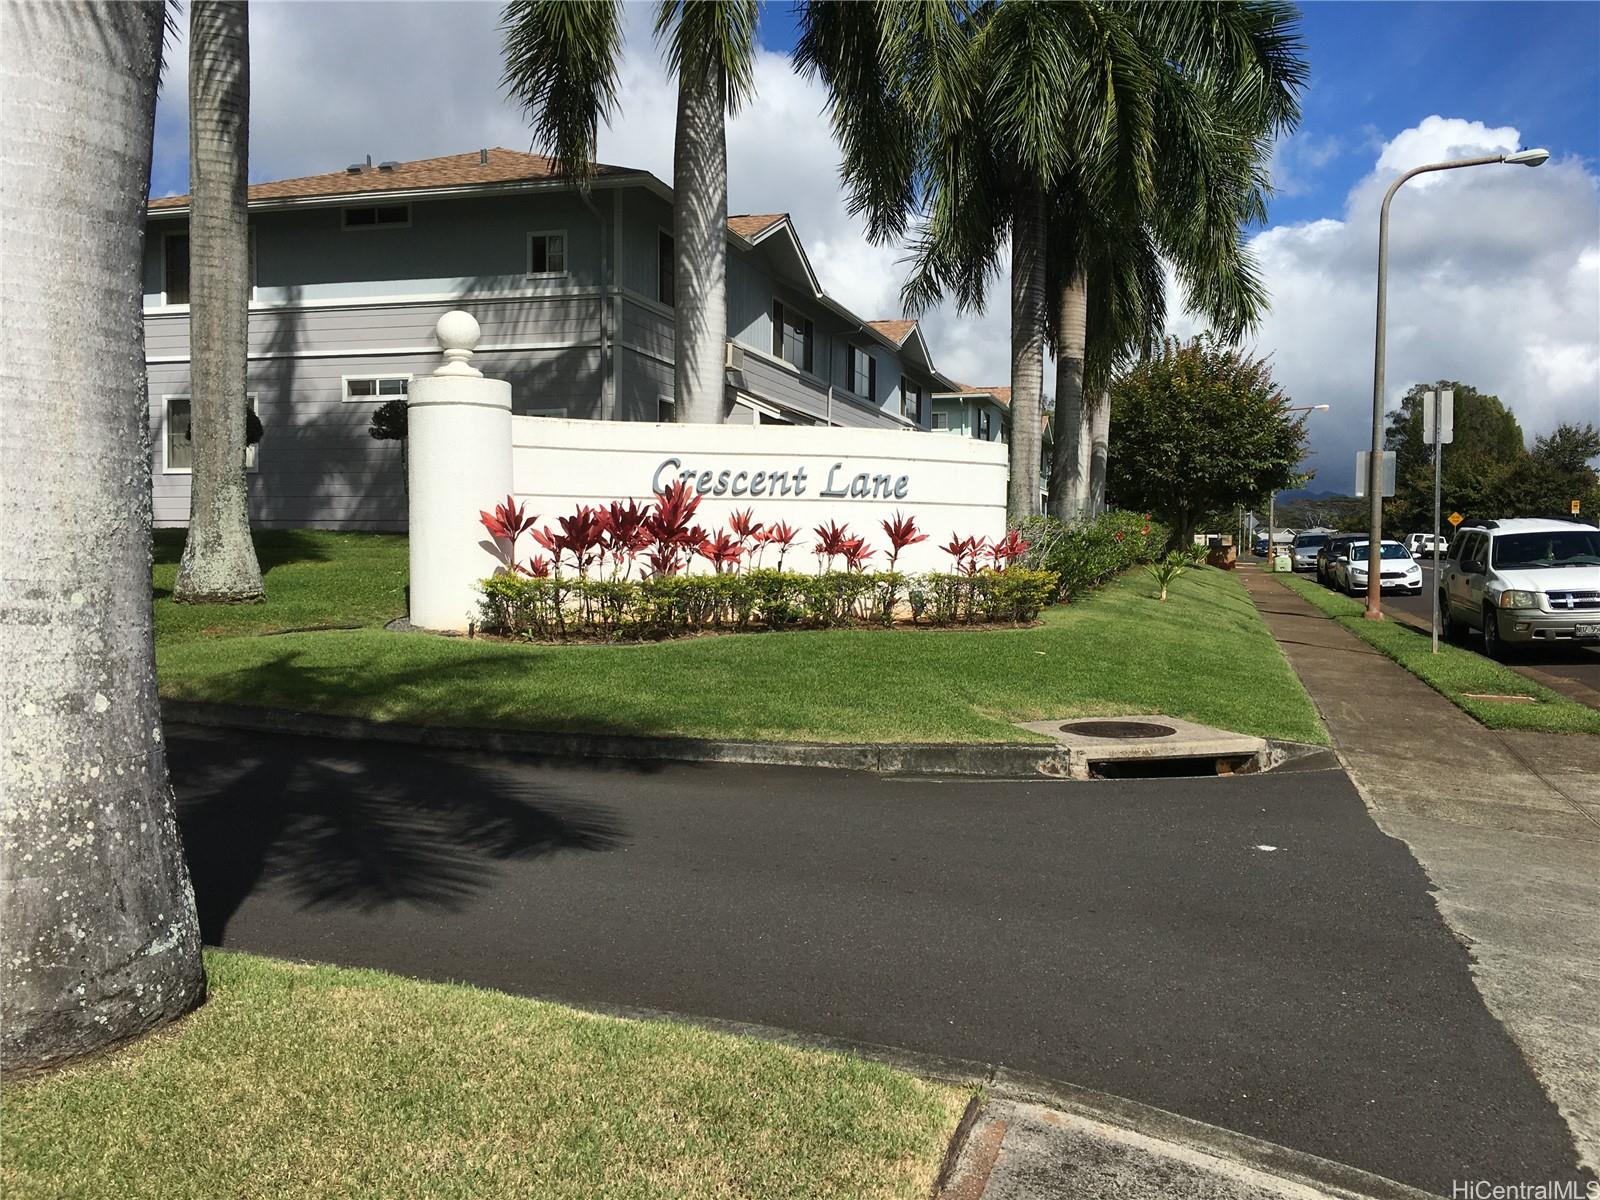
458	335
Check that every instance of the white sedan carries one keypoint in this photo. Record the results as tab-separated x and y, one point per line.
1400	572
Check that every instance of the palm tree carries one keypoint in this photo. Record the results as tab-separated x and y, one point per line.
100	941
219	559
1092	112
561	65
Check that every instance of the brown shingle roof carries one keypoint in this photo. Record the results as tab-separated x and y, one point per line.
1002	395
895	331
453	170
748	225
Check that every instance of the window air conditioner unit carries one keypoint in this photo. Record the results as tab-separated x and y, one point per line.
733	357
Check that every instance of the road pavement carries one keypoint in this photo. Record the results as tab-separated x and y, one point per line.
1251	952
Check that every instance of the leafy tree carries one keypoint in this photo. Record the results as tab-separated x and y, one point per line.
219	559
99	940
1544	483
1487	445
1198	428
561	65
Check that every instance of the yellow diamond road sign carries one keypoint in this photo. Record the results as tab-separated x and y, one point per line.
1456	518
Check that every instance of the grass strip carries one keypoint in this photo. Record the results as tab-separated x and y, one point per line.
306	1081
1204	655
1455	671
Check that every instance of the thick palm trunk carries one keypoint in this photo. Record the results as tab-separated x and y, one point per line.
1067	483
700	242
100	942
1027	353
219	559
1099	452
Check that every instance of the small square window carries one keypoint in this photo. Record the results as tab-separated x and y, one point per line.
177	436
941	420
547	254
376	387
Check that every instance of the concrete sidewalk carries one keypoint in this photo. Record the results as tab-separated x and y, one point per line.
1507	826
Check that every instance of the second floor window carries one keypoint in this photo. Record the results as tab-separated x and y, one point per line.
792	336
175	268
547	253
861	372
665	291
910	400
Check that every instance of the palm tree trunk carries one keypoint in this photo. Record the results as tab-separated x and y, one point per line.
700	244
1067	485
100	942
1099	452
219	559
1027	352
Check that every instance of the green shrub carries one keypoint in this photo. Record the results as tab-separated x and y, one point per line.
1083	555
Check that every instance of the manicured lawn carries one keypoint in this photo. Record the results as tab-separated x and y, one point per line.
314	580
1204	655
299	1081
1455	671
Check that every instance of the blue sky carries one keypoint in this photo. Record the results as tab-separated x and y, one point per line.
1495	271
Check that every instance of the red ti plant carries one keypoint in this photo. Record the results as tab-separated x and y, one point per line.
965	551
831	539
669	530
581	535
1007	550
722	552
625	534
507	523
745	527
856	553
781	535
902	532
539	568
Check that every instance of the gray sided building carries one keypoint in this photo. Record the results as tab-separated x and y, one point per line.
351	269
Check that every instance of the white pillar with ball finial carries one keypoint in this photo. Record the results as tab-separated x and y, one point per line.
459	463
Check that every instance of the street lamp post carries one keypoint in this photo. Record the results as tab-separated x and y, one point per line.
1522	158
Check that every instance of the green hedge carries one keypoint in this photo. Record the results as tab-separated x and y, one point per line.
1084	555
546	609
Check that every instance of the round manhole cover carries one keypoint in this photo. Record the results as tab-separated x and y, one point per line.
1118	729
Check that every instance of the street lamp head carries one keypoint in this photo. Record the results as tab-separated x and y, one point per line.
1527	158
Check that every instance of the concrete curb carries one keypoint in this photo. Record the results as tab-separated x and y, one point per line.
1007	760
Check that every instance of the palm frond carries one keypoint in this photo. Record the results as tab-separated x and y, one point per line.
561	66
711	40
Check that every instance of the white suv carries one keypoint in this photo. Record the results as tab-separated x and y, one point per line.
1523	582
1421	545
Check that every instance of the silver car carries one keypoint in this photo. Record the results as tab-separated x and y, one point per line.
1523	582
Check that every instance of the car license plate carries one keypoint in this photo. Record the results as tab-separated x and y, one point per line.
1586	629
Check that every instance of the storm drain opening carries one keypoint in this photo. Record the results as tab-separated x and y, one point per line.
1200	767
1118	729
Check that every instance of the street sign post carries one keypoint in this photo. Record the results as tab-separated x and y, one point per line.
1438	425
1361	472
1455	519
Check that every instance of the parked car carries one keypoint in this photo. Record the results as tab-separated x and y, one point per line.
1329	552
1398	570
1421	545
1305	550
1522	582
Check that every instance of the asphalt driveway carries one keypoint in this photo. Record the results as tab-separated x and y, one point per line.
1252	952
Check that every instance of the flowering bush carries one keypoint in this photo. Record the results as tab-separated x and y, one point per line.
1086	554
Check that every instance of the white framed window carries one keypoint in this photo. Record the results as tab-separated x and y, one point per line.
910	400
666	269
547	253
941	420
666	409
177	439
373	389
376	216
